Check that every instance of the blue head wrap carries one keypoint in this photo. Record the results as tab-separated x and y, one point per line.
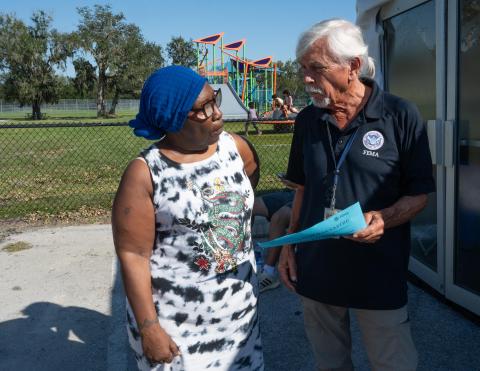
167	97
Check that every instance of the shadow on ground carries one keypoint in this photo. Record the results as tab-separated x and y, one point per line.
445	339
49	336
52	337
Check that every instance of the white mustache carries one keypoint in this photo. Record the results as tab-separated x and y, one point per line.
323	102
312	89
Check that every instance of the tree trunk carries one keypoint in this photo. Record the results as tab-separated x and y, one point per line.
102	84
114	103
36	113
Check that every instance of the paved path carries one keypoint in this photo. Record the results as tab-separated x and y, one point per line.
62	308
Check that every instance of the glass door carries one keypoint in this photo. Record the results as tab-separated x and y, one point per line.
414	69
463	177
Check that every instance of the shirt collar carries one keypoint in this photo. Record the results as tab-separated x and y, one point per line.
374	107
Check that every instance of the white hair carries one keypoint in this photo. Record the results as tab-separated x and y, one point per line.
344	40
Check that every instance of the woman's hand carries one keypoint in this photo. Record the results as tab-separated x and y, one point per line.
157	345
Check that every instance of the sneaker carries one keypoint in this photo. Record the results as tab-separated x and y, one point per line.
267	282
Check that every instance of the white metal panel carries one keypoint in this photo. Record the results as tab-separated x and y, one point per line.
453	292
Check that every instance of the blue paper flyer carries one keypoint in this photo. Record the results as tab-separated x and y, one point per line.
343	223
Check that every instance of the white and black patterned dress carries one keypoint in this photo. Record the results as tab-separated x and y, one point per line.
204	283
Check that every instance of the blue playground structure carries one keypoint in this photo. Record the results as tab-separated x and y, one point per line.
251	80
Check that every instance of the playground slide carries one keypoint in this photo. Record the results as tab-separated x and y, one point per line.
232	106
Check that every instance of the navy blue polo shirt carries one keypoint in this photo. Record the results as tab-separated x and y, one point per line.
389	158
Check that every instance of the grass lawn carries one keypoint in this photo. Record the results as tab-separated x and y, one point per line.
57	116
62	170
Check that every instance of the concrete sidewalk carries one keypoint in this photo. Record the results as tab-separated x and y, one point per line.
63	309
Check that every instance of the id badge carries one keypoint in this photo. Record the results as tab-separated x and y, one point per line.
329	212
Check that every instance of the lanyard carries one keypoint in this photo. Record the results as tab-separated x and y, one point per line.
338	165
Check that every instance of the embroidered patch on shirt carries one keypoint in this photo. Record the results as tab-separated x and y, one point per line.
373	140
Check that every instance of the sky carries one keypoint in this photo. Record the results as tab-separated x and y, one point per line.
270	27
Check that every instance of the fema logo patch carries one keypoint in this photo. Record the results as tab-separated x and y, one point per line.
373	140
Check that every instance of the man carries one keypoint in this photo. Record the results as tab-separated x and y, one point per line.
355	143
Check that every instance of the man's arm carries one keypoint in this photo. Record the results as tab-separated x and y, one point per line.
417	179
287	267
405	209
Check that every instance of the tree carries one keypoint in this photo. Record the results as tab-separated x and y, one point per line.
66	88
2	86
137	61
289	77
182	52
85	77
29	57
100	33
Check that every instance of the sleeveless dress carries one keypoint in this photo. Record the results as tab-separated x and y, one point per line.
203	269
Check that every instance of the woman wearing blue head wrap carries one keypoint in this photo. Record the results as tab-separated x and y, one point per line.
181	227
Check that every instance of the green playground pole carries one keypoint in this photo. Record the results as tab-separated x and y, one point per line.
251	87
244	66
237	86
254	88
266	88
271	75
213	62
206	60
198	59
221	53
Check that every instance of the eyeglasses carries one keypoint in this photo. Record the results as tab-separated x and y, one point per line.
206	111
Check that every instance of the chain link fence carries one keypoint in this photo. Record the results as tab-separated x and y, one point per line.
52	169
82	106
74	105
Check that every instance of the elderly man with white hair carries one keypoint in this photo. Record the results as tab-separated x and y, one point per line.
355	143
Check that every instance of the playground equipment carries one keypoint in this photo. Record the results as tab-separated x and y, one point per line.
251	80
233	108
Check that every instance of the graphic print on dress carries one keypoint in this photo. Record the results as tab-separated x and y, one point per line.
224	233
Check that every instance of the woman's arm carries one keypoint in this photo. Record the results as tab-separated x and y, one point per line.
133	225
250	159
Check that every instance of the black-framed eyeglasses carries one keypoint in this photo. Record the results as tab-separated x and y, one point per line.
207	109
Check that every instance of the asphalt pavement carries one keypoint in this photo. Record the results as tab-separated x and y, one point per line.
62	308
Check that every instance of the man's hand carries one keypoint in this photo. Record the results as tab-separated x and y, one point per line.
405	209
157	345
287	267
374	230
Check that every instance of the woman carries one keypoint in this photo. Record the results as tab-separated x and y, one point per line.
182	233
